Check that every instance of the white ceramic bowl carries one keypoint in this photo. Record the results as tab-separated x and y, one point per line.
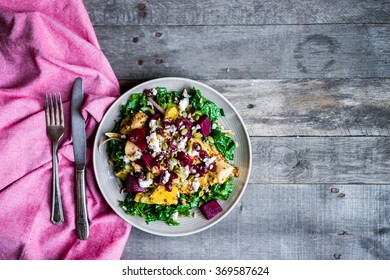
110	185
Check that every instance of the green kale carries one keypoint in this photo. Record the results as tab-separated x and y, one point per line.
134	103
206	106
164	98
224	143
221	191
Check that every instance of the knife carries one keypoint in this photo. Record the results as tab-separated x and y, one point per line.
79	148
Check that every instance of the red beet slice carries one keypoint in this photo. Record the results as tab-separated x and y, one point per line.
210	209
132	185
205	125
146	160
138	137
183	158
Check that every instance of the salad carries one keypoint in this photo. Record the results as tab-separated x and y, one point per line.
172	155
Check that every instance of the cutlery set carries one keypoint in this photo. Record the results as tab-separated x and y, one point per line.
55	130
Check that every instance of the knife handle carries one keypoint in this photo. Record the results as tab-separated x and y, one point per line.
82	224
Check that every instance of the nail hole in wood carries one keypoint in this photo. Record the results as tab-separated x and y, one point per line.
142	14
341	195
140	62
251	106
158	34
337	256
158	61
334	190
135	40
341	232
141	6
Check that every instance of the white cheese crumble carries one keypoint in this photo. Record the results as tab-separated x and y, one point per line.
166	177
184	103
175	215
145	184
153	125
154	91
123	136
208	161
182	144
153	143
193	153
137	154
126	159
195	184
185	94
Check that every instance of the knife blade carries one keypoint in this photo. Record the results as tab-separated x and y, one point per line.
79	149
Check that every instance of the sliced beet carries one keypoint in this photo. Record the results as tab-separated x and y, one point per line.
183	158
132	185
146	160
205	125
138	137
187	124
210	209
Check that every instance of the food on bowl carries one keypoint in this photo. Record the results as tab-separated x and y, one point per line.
172	155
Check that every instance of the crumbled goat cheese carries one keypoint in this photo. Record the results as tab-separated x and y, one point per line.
175	215
208	161
185	93
153	125
182	144
126	159
137	154
195	184
145	184
184	103
166	177
153	143
154	91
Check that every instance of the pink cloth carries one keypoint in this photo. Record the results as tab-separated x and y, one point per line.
44	46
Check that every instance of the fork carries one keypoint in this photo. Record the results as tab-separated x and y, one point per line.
55	131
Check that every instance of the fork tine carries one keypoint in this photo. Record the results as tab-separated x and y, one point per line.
61	112
52	119
47	112
57	112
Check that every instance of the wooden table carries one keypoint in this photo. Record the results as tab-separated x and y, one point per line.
311	81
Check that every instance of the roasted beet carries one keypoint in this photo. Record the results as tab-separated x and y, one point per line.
205	125
210	209
183	158
132	184
138	137
146	160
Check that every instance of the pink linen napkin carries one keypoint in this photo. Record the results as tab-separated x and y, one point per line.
44	46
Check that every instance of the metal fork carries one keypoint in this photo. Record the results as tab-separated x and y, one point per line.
55	131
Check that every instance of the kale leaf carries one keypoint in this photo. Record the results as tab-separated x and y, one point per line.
224	143
134	103
206	106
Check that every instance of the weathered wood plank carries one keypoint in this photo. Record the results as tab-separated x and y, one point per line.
286	222
247	52
238	12
314	107
311	160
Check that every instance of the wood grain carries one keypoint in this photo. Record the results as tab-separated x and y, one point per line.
308	107
238	12
312	160
285	222
247	52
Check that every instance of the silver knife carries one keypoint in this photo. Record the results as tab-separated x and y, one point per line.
79	148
